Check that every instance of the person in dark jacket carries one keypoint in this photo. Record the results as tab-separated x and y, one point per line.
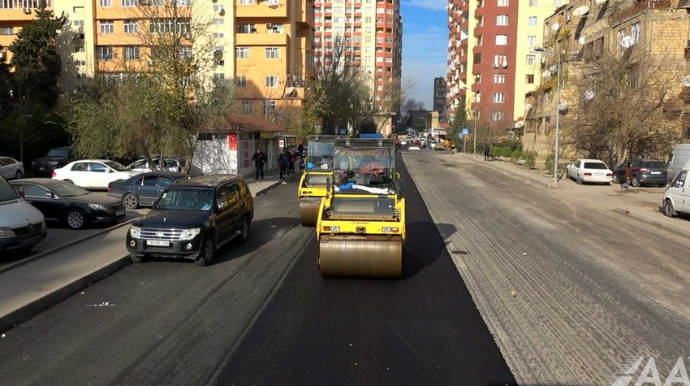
300	149
283	162
259	159
628	177
487	150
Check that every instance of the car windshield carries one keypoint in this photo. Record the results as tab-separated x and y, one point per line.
6	191
115	166
58	153
654	165
320	155
69	190
595	165
180	198
363	163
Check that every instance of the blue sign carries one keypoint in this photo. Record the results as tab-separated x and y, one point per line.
465	131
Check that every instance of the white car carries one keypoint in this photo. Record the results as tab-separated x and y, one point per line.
11	168
93	174
590	171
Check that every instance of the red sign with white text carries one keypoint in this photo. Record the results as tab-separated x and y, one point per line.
232	141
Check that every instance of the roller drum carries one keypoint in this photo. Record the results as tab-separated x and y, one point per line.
309	211
360	258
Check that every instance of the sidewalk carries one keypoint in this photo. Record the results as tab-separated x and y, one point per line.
641	203
45	279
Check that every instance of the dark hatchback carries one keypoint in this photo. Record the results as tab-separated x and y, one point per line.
56	158
64	201
192	219
142	189
644	171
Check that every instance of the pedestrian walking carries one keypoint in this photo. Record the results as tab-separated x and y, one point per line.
487	151
259	159
283	162
628	177
300	149
293	159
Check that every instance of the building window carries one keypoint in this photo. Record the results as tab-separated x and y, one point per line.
218	35
107	27
218	21
502	20
218	76
242	52
106	3
104	52
501	40
272	53
636	29
497	116
245	28
499	97
79	49
241	81
557	3
533	3
269	106
531	40
530	60
130	3
272	81
529	78
500	60
499	78
247	107
532	21
245	2
503	3
132	53
478	77
478	97
131	27
7	31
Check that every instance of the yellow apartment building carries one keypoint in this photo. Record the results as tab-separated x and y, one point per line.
265	46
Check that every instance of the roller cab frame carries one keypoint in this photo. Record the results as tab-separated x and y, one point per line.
312	185
361	220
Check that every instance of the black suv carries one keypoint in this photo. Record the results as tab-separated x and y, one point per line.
645	172
56	158
193	218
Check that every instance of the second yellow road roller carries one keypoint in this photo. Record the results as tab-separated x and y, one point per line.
361	221
312	185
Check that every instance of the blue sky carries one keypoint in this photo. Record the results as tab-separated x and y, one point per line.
425	46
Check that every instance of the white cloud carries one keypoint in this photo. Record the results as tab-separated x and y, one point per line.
436	5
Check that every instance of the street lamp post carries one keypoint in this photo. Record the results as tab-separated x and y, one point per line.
558	106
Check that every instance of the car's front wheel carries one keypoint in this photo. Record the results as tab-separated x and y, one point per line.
137	258
668	209
76	219
130	201
206	252
18	174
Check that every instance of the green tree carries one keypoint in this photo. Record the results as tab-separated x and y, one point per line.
459	123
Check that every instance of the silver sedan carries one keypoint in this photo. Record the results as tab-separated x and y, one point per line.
11	168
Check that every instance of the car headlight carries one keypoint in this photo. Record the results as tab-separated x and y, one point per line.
188	234
97	207
53	163
6	232
135	232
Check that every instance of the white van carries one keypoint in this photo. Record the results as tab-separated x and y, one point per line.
679	157
21	225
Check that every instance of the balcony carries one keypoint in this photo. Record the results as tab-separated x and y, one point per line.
261	39
304	12
261	9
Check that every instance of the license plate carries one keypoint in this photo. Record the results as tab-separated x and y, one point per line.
656	172
599	174
120	213
158	243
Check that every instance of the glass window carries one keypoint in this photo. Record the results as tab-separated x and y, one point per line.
131	26
98	168
106	3
272	81
272	53
531	40
247	107
503	3
501	40
80	167
132	53
150	180
529	78
241	81
499	78
164	182
533	3
104	52
242	52
130	3
497	116
532	21
636	29
679	181
530	60
107	27
36	191
502	20
499	97
186	199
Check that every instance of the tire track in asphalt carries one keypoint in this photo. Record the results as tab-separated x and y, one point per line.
558	329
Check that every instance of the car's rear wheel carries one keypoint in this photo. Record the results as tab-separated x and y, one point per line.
206	252
130	201
668	208
18	174
579	180
76	219
635	182
244	230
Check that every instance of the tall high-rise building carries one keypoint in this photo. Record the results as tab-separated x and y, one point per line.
371	30
265	46
439	101
490	64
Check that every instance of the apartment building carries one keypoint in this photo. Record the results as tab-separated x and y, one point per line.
372	32
439	100
490	67
265	46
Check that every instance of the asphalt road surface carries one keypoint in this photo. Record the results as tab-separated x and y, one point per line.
263	315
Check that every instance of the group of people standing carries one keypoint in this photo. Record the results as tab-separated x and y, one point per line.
286	161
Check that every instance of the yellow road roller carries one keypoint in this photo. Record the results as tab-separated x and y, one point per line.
312	185
361	221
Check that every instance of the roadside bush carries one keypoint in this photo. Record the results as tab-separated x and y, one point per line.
515	156
505	152
548	165
530	160
494	151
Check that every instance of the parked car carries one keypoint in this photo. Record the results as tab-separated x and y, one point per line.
142	189
679	158
21	225
645	172
56	158
677	195
63	201
169	165
93	174
192	219
589	171
11	168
